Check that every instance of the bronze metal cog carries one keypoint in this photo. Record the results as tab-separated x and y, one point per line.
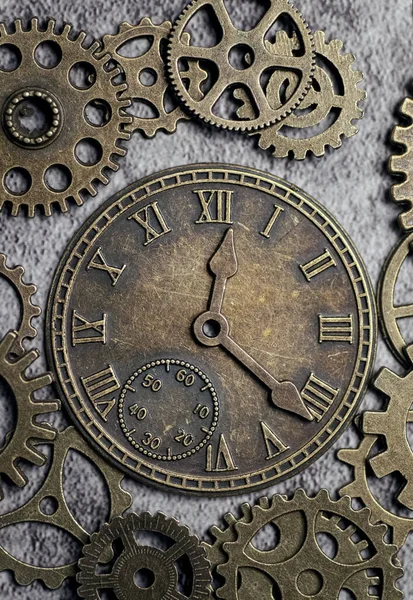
392	424
390	313
400	527
28	310
77	118
325	95
250	572
62	518
146	75
135	557
262	58
20	444
402	164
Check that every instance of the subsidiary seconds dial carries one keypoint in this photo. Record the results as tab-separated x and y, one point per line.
168	409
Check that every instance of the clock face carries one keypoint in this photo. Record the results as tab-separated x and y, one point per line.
212	329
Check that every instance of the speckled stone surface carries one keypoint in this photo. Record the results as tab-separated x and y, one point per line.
351	182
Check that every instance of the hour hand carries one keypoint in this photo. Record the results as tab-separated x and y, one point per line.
223	265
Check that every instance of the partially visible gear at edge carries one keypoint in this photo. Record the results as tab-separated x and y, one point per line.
400	527
29	311
248	570
62	518
151	63
318	104
20	444
84	118
402	164
135	556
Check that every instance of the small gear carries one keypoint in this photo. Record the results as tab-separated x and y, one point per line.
249	572
317	106
400	527
52	489
151	63
28	310
402	164
78	119
134	557
20	443
259	58
392	424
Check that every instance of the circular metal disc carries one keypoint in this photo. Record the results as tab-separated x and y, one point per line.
212	329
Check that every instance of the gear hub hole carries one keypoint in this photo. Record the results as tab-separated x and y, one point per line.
89	152
33	117
82	75
48	55
241	57
148	77
211	328
310	583
98	112
10	57
48	506
17	181
58	178
144	578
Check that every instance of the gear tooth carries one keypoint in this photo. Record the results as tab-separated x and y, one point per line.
374	422
246	510
77	198
51	26
81	37
215	531
351	490
264	502
34	24
407	108
67	29
230	519
7	343
31	211
386	381
18	26
406	495
27	360
40	382
3	30
15	208
95	47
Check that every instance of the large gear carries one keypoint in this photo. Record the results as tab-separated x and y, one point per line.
402	164
259	58
325	96
29	310
80	116
62	518
392	424
249	572
135	556
400	527
20	444
152	63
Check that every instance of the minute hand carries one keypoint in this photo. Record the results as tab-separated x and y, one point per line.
284	394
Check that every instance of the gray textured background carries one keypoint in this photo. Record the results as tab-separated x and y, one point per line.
351	182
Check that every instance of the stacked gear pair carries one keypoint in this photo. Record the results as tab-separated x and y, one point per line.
293	80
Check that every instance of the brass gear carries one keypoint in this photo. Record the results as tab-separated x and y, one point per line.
20	444
28	310
318	105
153	61
400	527
392	424
135	556
315	573
62	518
259	59
360	583
67	124
402	164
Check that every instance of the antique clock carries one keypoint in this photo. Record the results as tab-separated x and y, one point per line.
212	329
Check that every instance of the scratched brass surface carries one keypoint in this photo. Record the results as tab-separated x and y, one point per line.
291	355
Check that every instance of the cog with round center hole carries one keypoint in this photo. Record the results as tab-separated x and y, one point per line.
140	570
298	566
62	118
